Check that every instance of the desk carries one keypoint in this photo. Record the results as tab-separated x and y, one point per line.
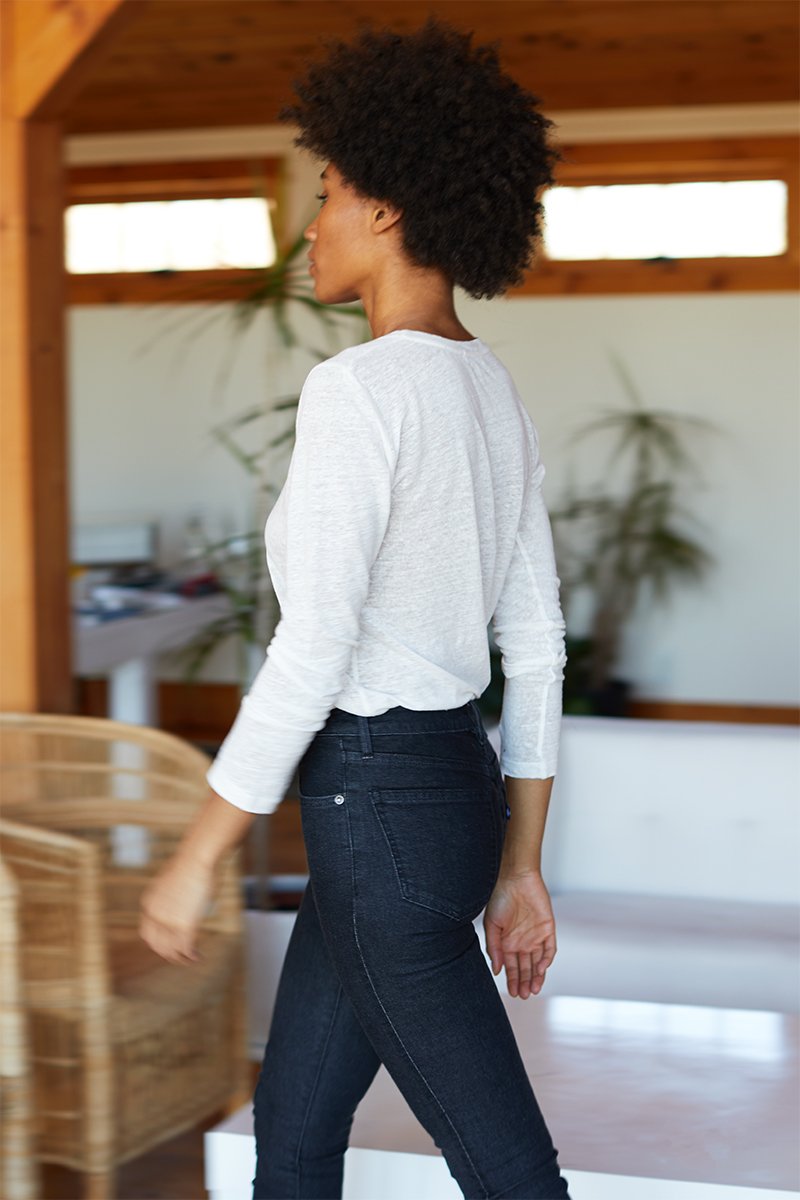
125	650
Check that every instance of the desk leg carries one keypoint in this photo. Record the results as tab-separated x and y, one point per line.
132	693
131	698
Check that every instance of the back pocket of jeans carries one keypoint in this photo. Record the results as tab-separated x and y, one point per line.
444	845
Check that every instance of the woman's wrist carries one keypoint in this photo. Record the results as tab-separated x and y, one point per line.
189	858
218	828
516	870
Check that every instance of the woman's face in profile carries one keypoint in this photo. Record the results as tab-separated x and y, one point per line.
342	254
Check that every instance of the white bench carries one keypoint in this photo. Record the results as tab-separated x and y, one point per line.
675	808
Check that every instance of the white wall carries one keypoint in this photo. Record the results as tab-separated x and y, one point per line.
141	411
734	361
147	386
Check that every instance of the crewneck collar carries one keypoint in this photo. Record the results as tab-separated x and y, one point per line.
471	346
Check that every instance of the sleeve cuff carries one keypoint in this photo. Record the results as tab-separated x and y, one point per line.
530	770
236	795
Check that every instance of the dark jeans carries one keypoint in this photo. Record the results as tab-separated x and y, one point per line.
403	818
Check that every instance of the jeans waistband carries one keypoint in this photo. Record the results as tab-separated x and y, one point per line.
405	720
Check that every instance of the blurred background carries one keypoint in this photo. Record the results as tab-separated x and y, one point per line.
158	323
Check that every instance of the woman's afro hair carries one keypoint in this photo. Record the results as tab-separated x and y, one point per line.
433	125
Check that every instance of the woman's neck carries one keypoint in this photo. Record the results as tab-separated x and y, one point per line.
403	298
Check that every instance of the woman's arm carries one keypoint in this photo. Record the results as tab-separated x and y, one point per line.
518	922
530	632
336	508
217	828
175	902
528	800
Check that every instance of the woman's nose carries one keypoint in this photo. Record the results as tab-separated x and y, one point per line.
310	231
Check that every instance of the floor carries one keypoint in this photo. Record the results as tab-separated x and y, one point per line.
698	1093
173	1171
702	1099
637	1088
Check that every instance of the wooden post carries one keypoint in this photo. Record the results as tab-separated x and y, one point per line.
47	51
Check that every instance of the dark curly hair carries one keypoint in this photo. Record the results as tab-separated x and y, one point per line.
431	124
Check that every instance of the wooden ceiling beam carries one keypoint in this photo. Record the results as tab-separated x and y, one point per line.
55	46
46	50
194	63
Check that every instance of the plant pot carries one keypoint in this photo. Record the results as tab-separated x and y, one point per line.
610	700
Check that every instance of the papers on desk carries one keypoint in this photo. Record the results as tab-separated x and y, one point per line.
110	603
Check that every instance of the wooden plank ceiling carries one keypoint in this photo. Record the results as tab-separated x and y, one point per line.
183	64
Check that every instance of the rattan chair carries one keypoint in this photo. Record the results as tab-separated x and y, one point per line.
127	1050
19	1173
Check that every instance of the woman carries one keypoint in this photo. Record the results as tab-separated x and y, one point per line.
411	517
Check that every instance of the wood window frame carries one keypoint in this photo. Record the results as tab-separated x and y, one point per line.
674	161
588	163
173	180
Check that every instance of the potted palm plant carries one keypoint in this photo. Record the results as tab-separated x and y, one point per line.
612	544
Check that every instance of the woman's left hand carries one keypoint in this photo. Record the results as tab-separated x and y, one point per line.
520	931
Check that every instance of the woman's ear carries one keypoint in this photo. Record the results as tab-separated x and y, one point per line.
384	217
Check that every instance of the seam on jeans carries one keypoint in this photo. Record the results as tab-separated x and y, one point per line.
374	733
389	1019
405	757
314	1090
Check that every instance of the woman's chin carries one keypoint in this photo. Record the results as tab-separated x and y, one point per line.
329	294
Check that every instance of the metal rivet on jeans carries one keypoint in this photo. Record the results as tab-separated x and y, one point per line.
338	799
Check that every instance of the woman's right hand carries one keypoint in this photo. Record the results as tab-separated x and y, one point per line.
172	906
520	931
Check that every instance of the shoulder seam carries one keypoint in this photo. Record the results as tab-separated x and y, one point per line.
389	449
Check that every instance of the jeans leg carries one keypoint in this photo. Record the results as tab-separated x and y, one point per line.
424	994
318	1063
443	1034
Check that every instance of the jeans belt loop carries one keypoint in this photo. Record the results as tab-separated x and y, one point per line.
476	716
365	735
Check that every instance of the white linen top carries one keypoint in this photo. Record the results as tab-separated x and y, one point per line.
411	518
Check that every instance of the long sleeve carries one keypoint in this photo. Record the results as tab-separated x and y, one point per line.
337	498
528	627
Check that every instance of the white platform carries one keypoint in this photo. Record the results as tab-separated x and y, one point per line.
700	1102
615	946
386	1175
701	809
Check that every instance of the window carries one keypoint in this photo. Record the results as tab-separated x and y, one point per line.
170	231
176	235
667	220
716	214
